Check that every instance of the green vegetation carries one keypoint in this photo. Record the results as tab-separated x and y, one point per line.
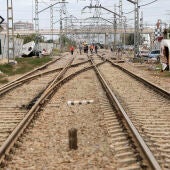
24	65
159	73
29	38
129	39
166	74
3	80
56	52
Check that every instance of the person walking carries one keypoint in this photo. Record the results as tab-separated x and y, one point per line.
86	48
96	49
91	48
80	48
119	53
72	49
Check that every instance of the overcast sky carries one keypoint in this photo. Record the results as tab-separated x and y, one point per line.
23	10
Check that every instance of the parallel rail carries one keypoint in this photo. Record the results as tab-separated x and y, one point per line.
25	77
30	73
26	120
144	148
152	86
46	96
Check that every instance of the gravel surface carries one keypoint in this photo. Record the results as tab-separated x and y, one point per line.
148	111
45	146
146	71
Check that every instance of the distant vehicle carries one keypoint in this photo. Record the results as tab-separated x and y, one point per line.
155	55
101	46
28	50
143	53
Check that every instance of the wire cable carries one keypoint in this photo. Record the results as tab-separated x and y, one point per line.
129	12
148	3
141	6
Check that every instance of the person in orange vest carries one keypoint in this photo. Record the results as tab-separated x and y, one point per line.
91	48
72	49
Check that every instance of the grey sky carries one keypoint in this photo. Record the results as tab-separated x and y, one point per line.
151	13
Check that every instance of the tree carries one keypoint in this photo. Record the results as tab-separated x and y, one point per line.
130	39
32	37
67	41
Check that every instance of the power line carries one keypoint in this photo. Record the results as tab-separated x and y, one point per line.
141	6
148	3
129	12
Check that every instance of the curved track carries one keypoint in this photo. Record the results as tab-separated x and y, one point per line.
123	161
123	143
16	104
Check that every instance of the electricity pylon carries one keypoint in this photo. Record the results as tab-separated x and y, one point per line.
10	31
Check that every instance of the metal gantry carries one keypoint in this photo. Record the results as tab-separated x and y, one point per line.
10	31
62	12
51	22
36	19
61	27
115	27
120	14
136	34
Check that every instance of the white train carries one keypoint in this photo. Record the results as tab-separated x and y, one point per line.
165	54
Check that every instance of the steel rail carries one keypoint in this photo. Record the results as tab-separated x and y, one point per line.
5	147
31	72
13	137
146	151
22	79
152	86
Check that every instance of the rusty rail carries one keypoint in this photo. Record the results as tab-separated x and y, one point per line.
13	137
30	72
152	86
24	78
145	150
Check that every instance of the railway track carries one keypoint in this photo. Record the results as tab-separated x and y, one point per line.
16	105
146	105
126	153
39	72
122	160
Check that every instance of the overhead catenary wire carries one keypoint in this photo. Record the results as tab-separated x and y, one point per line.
141	6
148	3
129	12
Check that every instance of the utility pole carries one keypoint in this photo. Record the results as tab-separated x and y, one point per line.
10	31
114	13
61	27
97	14
61	24
36	26
115	27
120	20
51	22
124	35
136	37
136	34
141	27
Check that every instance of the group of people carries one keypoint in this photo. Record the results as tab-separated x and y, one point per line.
85	47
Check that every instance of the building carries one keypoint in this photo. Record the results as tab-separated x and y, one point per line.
23	26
